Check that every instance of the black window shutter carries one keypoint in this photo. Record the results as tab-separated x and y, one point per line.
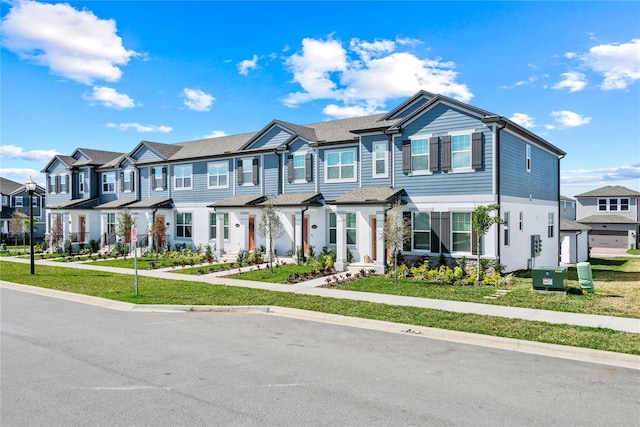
476	150
435	232
66	184
164	178
406	156
308	167
446	153
153	178
132	177
445	231
239	172
434	158
255	171
57	183
121	181
406	219
290	167
49	184
474	242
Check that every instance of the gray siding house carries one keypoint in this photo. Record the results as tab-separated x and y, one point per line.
332	183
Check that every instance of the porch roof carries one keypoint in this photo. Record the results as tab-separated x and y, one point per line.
369	196
295	199
152	204
607	219
75	204
568	225
115	204
238	201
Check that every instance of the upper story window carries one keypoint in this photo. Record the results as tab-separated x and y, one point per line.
109	182
182	177
218	174
51	185
35	201
81	183
461	151
298	167
528	161
613	204
64	184
18	202
247	171
127	183
340	166
421	231
419	155
461	231
159	178
5	201
380	162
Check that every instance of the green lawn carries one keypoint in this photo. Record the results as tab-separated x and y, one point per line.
162	291
279	274
616	282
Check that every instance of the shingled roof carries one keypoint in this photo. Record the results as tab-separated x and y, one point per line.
606	219
369	195
7	186
610	191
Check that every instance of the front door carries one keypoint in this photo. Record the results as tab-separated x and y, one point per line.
305	235
252	233
83	228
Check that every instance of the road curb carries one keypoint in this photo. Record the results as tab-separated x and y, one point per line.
620	360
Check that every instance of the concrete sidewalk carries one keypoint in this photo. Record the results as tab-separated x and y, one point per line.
311	288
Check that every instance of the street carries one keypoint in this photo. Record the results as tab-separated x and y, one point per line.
68	364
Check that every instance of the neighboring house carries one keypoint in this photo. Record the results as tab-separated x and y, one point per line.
567	208
15	198
332	183
574	242
612	214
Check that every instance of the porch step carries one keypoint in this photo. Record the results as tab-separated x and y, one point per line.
357	266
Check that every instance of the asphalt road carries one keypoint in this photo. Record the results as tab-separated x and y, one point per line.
69	364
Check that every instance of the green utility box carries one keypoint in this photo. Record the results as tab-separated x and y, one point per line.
549	278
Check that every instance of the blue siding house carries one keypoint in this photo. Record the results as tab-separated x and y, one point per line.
332	183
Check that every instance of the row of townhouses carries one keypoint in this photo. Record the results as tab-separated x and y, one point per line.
15	203
332	183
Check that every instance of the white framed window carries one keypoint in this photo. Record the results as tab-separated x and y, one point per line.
333	228
35	201
420	156
421	231
158	178
109	182
461	231
380	160
299	169
127	182
505	227
182	177
213	226
461	152
81	183
18	202
225	226
521	221
184	225
111	223
613	204
528	161
247	171
602	204
340	166
550	225
218	174
63	184
624	205
351	227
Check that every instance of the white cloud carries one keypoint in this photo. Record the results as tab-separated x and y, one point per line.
215	134
523	120
601	176
569	119
72	43
14	152
110	98
530	80
140	128
366	75
344	112
573	81
198	100
618	63
570	55
248	64
23	175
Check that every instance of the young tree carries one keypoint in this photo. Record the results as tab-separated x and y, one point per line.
123	227
397	230
482	220
16	226
158	233
56	233
270	227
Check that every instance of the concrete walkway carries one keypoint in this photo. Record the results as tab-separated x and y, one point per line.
311	288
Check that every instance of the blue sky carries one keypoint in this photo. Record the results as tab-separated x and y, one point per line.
108	74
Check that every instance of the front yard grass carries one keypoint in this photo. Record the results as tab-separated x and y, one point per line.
616	284
162	291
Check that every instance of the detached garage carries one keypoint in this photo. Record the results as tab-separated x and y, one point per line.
574	242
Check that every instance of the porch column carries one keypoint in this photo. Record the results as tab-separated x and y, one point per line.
149	218
244	231
380	243
297	233
341	241
66	229
219	245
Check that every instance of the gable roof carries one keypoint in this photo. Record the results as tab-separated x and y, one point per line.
295	199
568	225
96	157
68	161
610	191
7	186
369	195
